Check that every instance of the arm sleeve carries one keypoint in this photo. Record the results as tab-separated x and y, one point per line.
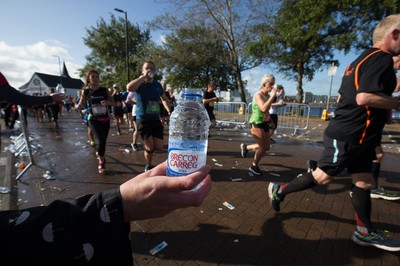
68	232
11	95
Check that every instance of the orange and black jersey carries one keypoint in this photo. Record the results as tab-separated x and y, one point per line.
371	72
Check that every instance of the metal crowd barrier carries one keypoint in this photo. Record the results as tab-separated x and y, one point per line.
25	146
291	116
231	113
294	116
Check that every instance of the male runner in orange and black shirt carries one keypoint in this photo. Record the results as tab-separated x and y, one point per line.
351	136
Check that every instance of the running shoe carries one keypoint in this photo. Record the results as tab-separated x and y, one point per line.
134	146
102	166
254	170
311	165
243	150
375	239
92	143
274	197
119	132
148	167
381	193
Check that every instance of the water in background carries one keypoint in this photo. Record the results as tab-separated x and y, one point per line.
316	111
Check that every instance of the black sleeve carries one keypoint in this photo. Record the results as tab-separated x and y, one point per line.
89	230
12	95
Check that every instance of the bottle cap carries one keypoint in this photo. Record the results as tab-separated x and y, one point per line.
188	92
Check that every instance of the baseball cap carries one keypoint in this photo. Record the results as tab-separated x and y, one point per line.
115	86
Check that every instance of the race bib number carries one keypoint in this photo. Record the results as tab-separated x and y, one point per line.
99	110
152	107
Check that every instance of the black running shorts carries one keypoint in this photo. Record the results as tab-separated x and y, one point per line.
339	155
150	128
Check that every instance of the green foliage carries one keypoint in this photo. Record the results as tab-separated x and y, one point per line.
302	37
297	47
108	50
193	56
231	20
219	39
365	15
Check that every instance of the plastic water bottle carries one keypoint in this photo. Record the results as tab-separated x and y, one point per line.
188	135
60	89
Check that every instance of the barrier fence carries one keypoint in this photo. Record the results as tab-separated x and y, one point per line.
25	145
294	116
291	116
231	113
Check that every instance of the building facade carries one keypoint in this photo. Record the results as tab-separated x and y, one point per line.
44	84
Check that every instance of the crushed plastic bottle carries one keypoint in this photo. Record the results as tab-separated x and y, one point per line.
5	190
47	175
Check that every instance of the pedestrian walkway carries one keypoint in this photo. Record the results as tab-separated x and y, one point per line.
313	228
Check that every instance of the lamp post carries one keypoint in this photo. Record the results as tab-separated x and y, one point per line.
59	66
126	43
331	73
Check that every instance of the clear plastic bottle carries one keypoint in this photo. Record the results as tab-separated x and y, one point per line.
188	135
60	88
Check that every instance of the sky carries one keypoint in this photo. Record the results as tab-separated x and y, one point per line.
41	34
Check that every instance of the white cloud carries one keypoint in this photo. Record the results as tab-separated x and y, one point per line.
19	63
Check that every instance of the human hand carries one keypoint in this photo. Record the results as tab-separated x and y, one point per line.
397	89
273	91
78	106
153	194
57	97
148	74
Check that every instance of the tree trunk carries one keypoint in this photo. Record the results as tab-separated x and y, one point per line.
240	85
300	72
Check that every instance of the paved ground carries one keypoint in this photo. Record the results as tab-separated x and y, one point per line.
313	228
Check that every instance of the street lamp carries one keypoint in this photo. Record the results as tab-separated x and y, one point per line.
331	73
59	66
126	42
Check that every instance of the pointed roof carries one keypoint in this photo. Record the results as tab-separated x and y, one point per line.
65	72
67	82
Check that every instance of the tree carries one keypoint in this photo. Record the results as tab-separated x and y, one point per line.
232	20
301	44
365	15
301	38
191	58
107	44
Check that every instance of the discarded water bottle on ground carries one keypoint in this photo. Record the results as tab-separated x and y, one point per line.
188	135
5	190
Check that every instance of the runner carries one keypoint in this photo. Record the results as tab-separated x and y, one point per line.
353	133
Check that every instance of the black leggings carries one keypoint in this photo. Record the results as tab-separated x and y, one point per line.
100	130
10	116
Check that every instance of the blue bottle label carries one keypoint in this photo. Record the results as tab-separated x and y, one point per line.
185	157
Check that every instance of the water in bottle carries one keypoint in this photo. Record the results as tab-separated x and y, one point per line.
60	89
188	135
